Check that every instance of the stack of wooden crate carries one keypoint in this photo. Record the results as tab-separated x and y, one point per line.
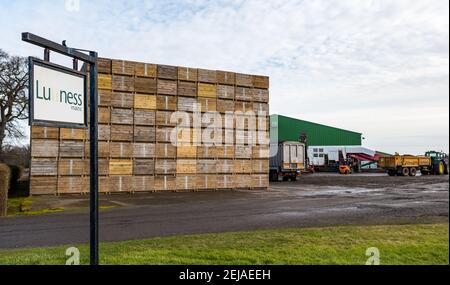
141	149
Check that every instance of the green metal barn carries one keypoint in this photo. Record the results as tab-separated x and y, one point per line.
289	129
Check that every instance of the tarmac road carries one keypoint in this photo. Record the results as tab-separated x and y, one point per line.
313	201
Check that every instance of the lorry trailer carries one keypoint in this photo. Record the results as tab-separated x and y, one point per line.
287	160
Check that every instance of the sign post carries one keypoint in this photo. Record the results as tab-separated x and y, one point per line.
58	98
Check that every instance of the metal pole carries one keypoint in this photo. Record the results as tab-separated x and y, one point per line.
93	131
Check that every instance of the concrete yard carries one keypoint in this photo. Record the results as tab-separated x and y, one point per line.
314	200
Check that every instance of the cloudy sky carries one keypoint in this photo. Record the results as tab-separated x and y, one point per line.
378	67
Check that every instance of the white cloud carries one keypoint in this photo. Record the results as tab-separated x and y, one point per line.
355	64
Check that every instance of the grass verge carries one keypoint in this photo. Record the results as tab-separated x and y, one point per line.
22	206
398	244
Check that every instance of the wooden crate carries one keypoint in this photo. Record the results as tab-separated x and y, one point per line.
186	166
243	152
261	95
187	104
72	185
207	152
244	94
261	82
225	166
245	137
166	102
242	166
43	185
244	80
104	132
224	77
145	69
144	134
187	74
121	149
104	97
72	134
104	115
145	85
122	132
206	182
207	76
104	65
123	83
44	133
207	90
144	117
71	149
187	89
145	101
188	136
260	152
206	166
207	104
122	100
260	181
143	183
260	166
186	151
163	118
167	87
261	108
225	105
165	183
104	82
44	167
243	106
225	151
165	150
144	167
123	67
143	150
226	92
103	184
120	167
72	167
165	166
164	134
186	182
122	116
121	183
225	181
168	72
103	149
242	181
103	166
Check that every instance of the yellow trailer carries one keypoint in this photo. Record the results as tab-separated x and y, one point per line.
405	165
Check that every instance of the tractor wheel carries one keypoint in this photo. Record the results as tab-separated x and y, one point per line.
439	169
412	171
446	169
405	171
425	172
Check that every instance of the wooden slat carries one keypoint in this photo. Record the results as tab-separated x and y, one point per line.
206	182
163	118
103	149
225	106
104	132
121	184
187	74
186	182
206	166
225	166
208	104
207	152
43	185
166	103
104	115
165	150
244	94
261	108
104	97
72	167
186	166
261	81
165	183
72	185
71	149
167	87
243	106
260	152
245	80
104	65
260	166
243	152
122	100
186	151
120	167
104	82
163	134
242	166
225	182
44	167
260	181
225	151
186	104
72	134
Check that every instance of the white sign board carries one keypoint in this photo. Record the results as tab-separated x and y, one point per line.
58	95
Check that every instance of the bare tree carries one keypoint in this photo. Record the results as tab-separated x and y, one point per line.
13	96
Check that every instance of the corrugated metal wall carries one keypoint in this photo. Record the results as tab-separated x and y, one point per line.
288	129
